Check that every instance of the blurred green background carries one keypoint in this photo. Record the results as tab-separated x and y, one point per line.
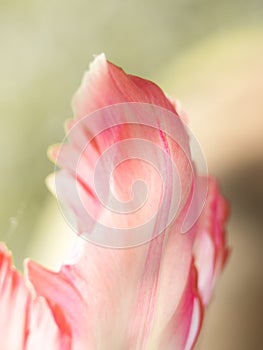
206	53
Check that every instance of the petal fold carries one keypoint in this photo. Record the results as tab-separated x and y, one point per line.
27	322
211	250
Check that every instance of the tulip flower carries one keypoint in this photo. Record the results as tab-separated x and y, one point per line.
148	251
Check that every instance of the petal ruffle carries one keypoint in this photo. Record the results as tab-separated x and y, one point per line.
27	322
211	250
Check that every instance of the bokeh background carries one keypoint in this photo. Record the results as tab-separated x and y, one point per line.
206	53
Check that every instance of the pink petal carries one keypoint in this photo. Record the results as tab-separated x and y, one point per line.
97	295
184	327
145	297
124	295
139	297
27	322
211	251
106	84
